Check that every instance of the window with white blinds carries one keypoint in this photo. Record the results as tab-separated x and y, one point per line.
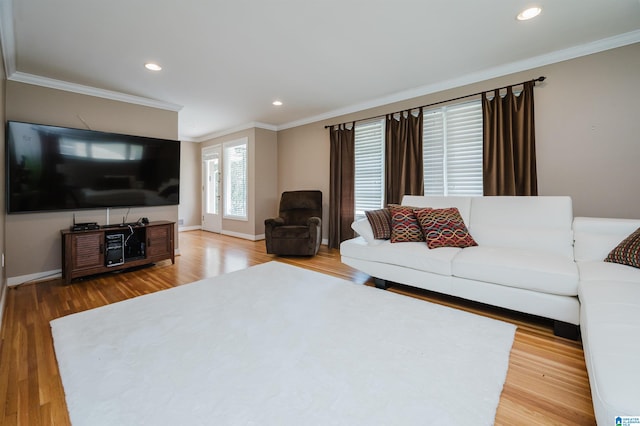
452	149
235	179
369	166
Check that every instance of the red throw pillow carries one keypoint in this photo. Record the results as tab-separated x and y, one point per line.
444	228
404	225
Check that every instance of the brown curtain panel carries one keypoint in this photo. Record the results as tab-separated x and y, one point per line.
403	153
509	143
341	198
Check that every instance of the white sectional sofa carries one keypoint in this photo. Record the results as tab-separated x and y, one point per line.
533	257
609	296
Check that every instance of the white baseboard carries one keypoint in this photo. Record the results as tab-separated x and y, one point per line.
38	276
243	236
325	242
223	232
3	293
57	273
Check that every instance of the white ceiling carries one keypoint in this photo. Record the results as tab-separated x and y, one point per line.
224	62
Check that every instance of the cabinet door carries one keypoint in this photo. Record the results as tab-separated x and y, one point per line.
159	241
88	250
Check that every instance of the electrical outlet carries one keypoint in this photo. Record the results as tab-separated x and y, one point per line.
180	221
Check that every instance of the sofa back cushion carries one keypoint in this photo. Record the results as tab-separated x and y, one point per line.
596	237
541	223
463	204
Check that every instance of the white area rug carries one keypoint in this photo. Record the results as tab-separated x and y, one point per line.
279	345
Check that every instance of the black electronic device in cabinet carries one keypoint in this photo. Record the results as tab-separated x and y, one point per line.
114	253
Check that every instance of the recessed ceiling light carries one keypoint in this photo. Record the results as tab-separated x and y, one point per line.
153	67
277	103
530	13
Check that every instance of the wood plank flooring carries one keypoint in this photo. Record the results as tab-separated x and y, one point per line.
546	383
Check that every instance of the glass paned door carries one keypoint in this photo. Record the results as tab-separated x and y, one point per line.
211	187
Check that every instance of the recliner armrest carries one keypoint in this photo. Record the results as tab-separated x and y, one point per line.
315	220
274	221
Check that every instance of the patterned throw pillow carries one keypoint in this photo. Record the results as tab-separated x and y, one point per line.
444	228
404	225
380	221
627	252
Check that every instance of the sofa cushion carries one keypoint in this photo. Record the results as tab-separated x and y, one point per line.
610	328
444	228
380	221
540	223
404	225
414	255
627	252
529	269
606	271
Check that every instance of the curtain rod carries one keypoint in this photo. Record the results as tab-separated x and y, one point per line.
540	79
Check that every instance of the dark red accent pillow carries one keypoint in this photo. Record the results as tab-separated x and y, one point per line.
380	221
444	228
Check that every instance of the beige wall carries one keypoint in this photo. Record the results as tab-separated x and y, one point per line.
587	131
190	210
33	240
266	189
303	156
3	274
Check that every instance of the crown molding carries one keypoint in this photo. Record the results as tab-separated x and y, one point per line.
240	128
524	65
91	91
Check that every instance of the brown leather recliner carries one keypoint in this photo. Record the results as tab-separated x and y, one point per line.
298	228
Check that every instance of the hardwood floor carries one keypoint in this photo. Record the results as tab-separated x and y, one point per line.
546	384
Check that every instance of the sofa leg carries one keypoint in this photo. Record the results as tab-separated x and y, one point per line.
380	283
566	330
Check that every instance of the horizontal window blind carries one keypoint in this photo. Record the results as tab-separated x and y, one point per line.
369	166
452	142
235	173
433	152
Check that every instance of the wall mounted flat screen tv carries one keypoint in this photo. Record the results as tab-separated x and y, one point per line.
51	168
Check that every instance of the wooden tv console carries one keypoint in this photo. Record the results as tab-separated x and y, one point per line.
84	252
